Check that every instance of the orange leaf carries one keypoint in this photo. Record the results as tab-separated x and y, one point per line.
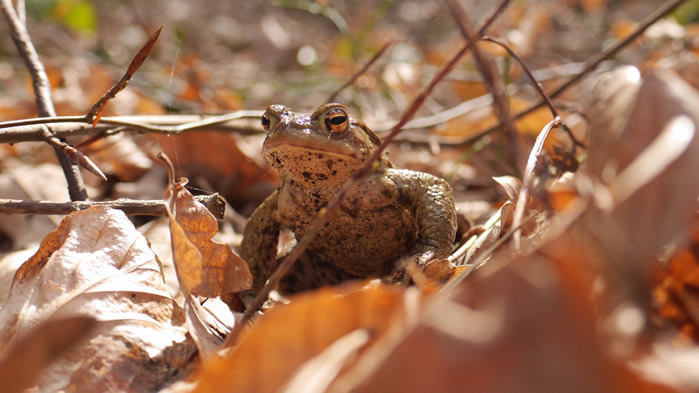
204	267
288	335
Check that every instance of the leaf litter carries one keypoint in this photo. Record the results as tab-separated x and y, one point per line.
602	293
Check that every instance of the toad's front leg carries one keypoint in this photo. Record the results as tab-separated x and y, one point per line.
259	245
432	201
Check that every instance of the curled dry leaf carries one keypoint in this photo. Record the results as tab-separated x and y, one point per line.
651	169
97	264
204	267
275	349
510	184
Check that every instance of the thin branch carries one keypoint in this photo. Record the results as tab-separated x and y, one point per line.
30	130
590	64
326	213
537	86
357	74
42	91
74	154
526	69
131	207
21	8
95	113
494	85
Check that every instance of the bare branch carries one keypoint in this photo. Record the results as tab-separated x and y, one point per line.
74	154
590	64
129	206
42	90
494	85
537	86
30	130
95	113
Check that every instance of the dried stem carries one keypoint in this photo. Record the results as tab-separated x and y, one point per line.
95	113
30	130
494	85
129	206
590	64
42	90
327	212
537	86
357	74
74	154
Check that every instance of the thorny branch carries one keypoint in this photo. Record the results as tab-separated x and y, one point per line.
42	90
325	213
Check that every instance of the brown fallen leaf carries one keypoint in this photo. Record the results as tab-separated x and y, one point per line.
275	349
647	166
231	165
22	364
515	326
118	155
676	291
204	267
96	264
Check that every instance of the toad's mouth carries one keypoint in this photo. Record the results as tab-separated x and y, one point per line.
317	148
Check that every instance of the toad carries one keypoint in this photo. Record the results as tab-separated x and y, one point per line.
392	216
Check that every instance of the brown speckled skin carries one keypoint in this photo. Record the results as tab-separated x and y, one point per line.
392	214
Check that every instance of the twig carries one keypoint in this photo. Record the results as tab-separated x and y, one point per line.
42	90
30	130
95	113
494	85
325	213
74	154
537	86
590	64
360	72
129	206
21	8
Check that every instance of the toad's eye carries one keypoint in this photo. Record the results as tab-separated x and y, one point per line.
336	121
265	122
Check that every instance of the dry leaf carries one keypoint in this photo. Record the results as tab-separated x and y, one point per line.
287	336
650	167
21	364
204	267
524	326
97	264
222	159
118	155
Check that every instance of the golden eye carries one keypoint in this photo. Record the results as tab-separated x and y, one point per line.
265	122
336	121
